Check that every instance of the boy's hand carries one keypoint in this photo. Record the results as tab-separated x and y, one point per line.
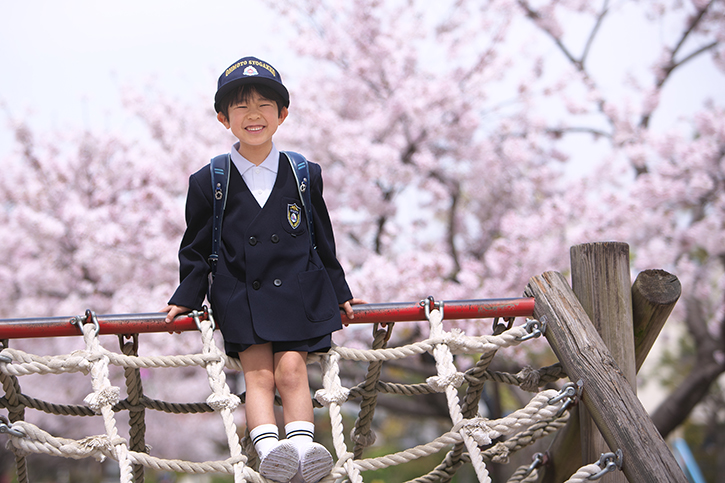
172	311
347	307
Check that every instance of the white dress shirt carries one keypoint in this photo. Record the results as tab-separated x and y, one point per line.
260	179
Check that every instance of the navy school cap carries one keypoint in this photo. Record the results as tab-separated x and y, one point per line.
249	70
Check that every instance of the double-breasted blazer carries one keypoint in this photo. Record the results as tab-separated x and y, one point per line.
269	279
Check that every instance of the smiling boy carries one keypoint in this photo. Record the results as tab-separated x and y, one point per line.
275	297
253	120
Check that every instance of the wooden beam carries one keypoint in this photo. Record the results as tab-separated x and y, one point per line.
654	295
607	394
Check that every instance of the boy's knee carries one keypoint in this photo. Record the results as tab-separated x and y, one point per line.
290	372
264	380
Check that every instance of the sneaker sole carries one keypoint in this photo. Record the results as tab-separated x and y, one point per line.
315	463
281	463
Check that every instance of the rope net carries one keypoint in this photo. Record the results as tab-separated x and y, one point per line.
472	439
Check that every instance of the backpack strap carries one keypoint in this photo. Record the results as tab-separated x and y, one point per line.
219	166
302	176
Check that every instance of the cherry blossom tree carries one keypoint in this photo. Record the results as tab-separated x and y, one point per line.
449	130
465	146
93	221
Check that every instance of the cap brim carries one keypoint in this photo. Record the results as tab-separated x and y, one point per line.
230	86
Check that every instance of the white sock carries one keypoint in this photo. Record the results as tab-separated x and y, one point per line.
264	438
315	460
300	433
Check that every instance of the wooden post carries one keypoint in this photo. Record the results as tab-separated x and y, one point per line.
601	281
654	295
607	393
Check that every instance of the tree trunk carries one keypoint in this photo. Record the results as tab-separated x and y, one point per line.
705	371
678	405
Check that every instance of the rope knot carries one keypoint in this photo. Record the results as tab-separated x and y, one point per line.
439	383
365	439
99	446
530	379
108	396
500	453
219	401
456	340
327	397
478	429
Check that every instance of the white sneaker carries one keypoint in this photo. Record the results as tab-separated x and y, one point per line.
315	463
280	463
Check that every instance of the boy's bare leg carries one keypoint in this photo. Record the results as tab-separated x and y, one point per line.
290	371
279	460
258	367
290	375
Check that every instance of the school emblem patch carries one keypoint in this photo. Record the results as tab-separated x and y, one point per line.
294	215
250	71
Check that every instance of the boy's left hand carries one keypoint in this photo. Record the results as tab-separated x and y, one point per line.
347	307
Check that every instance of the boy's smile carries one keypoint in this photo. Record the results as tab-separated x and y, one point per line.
254	121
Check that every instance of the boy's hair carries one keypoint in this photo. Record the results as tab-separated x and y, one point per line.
244	92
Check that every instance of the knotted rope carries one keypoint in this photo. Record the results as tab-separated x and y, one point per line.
471	439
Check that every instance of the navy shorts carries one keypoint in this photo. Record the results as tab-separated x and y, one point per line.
317	344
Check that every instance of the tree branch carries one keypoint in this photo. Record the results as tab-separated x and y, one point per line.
672	64
454	188
593	33
535	16
558	132
691	56
695	21
706	370
578	63
382	219
678	405
452	211
696	322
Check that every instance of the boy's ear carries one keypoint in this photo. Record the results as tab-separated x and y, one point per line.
283	114
223	119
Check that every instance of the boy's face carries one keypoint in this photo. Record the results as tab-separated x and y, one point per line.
253	121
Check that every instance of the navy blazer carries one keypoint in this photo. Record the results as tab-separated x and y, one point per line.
269	279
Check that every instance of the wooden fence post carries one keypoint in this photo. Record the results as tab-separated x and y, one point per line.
607	394
601	281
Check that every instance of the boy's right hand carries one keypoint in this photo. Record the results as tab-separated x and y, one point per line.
173	310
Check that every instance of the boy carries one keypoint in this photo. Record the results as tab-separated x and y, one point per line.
275	297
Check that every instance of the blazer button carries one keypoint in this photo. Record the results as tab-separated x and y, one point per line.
275	238
277	282
256	285
252	240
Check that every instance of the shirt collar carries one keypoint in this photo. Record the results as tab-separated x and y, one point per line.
271	162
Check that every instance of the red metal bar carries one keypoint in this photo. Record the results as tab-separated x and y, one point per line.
367	313
452	309
108	324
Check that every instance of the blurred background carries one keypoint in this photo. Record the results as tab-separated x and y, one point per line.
465	146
